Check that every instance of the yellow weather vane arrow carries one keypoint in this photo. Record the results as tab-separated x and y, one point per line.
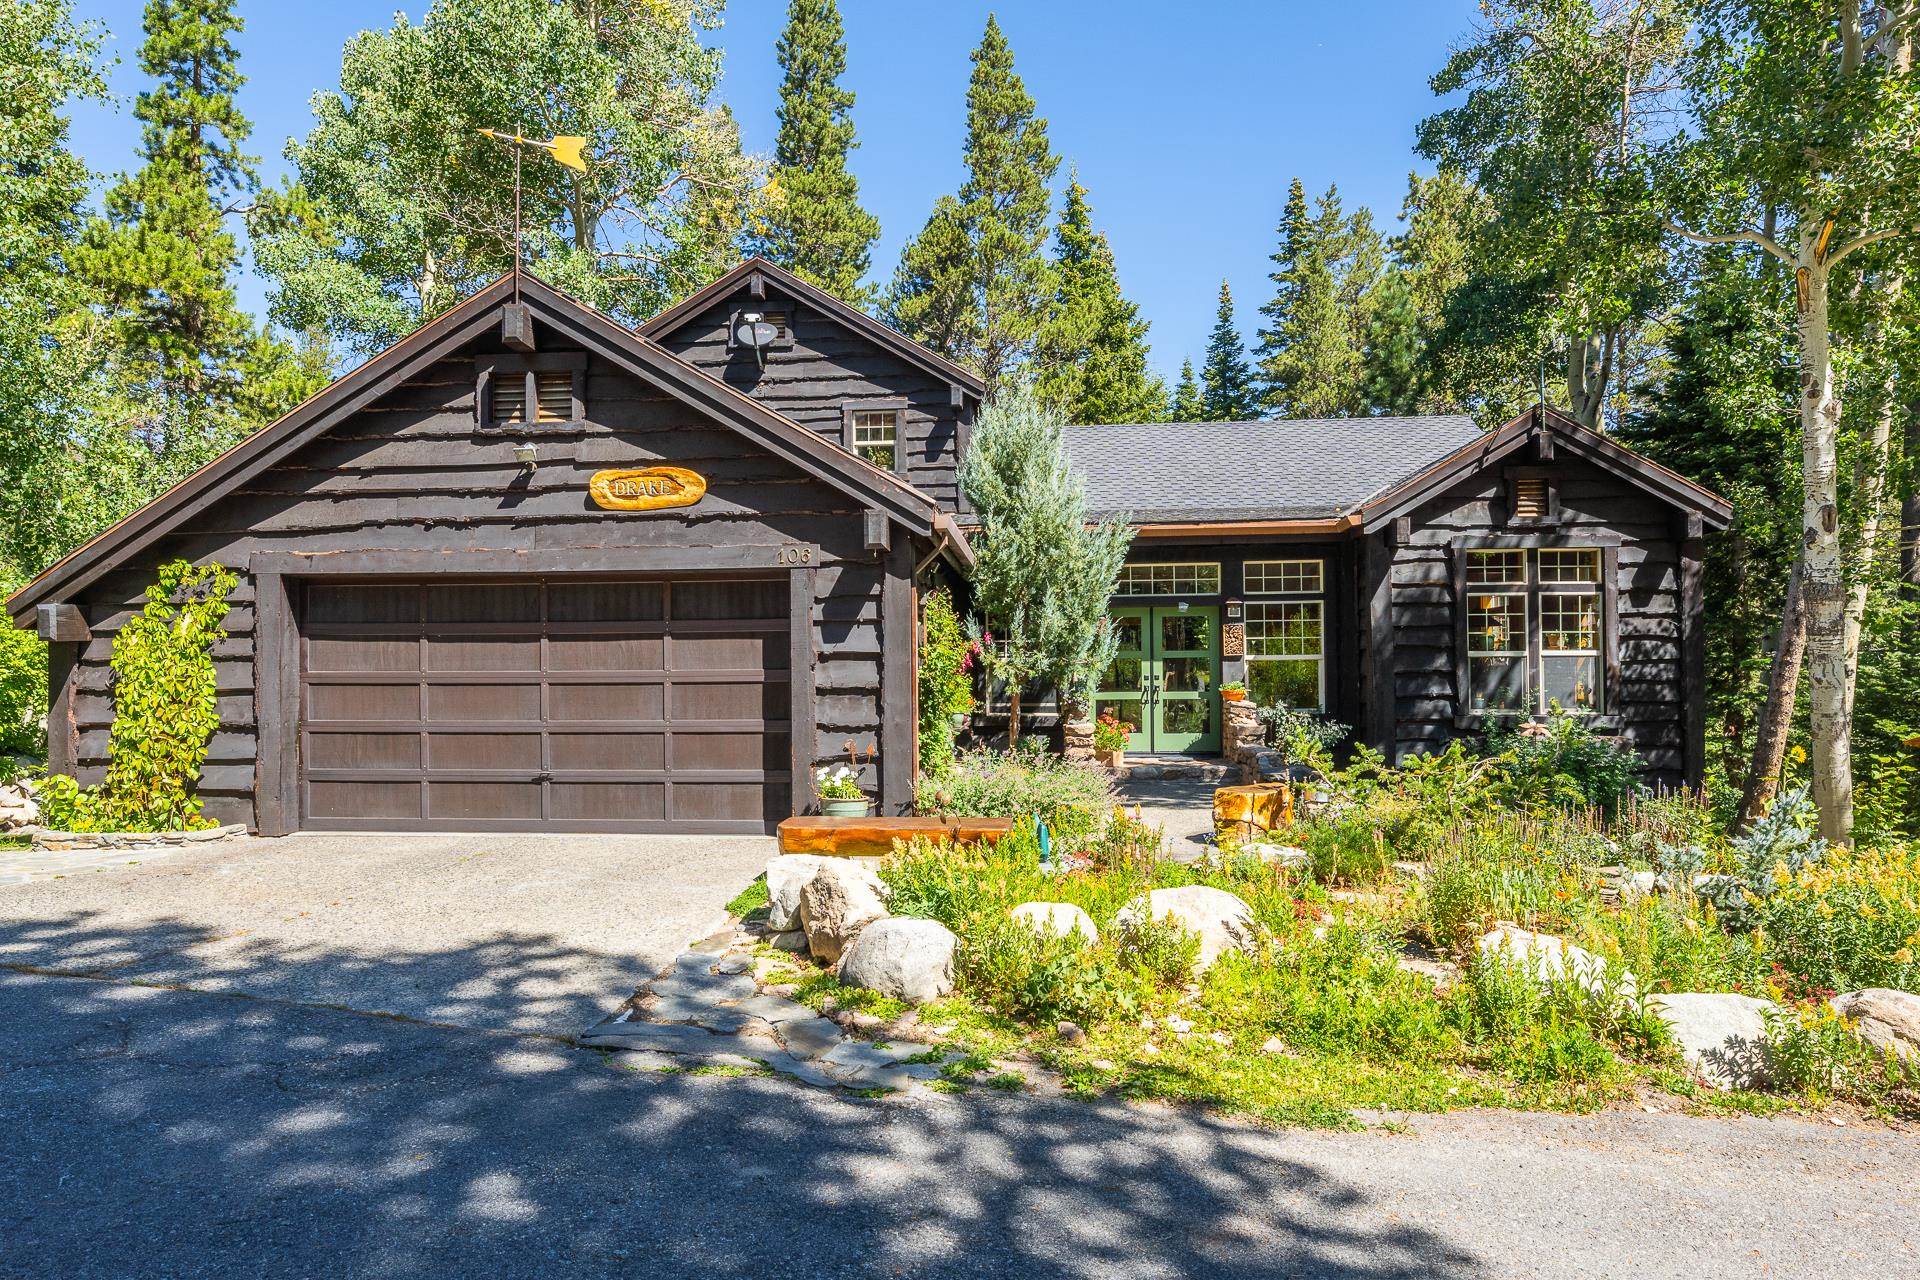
565	148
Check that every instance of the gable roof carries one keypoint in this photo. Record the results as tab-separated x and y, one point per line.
1276	469
852	317
1543	422
434	340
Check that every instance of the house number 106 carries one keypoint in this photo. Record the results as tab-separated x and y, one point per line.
796	555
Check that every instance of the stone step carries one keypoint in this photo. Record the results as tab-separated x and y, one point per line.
1181	771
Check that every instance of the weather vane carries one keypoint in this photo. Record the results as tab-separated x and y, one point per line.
565	148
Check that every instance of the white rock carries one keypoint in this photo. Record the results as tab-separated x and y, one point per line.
902	957
1061	918
1549	959
1722	1036
841	899
1285	856
1888	1020
787	875
1222	921
1638	884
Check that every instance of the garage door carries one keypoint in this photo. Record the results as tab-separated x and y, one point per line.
557	704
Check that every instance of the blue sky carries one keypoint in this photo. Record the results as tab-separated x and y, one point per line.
1187	121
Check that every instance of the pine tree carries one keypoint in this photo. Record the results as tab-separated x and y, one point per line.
975	284
1091	355
1187	404
1228	391
813	224
162	258
1324	269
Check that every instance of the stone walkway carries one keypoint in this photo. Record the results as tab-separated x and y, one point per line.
710	1009
1181	807
26	865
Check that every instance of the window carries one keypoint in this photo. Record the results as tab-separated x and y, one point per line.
1286	638
538	390
876	435
1534	635
1169	580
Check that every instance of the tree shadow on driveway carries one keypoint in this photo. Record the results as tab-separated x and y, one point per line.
166	1132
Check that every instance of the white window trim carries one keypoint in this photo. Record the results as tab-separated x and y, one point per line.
1535	652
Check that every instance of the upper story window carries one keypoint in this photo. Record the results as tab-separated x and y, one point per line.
1286	632
1535	623
874	430
876	436
542	390
1195	579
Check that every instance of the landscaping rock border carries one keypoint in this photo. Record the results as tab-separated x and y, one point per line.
73	841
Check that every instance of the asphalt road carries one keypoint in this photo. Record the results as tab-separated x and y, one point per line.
176	1133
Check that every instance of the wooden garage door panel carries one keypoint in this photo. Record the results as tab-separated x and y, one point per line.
528	704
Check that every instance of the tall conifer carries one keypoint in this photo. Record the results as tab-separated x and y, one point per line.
1187	404
975	284
1228	391
814	225
1091	355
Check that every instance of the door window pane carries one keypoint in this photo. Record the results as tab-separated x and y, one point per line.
1186	633
1123	676
1187	716
1187	675
1128	631
1198	579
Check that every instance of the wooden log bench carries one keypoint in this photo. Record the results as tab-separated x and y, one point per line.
1259	807
871	837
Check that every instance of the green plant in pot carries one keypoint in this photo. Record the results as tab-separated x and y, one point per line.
840	794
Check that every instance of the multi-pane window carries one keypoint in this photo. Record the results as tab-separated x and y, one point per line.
1286	637
1169	580
876	435
1534	629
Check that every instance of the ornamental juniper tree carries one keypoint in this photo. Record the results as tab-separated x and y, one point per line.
1044	571
813	223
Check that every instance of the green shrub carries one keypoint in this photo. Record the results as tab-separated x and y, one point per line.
1042	976
1813	1052
1071	798
1851	921
1351	849
1558	1032
164	708
1487	872
1160	951
1675	943
1563	762
23	691
946	685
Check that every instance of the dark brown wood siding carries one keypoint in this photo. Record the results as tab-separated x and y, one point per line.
1648	699
822	369
412	476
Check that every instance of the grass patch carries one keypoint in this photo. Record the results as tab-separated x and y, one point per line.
15	844
750	899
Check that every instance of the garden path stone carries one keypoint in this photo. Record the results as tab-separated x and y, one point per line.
714	1017
671	1037
810	1036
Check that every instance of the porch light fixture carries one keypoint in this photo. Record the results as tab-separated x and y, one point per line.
527	456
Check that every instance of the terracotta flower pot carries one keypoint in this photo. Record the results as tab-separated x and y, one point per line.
1233	695
1111	759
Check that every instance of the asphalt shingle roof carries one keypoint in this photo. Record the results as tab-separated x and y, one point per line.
1287	469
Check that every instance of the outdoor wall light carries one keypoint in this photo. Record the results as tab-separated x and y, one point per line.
527	456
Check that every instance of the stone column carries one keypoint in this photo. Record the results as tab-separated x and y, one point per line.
1078	735
1244	734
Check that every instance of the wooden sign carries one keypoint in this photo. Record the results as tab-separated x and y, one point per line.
1233	640
647	488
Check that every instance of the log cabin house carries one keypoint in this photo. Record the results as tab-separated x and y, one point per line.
531	569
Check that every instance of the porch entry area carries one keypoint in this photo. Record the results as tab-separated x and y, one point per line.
1165	680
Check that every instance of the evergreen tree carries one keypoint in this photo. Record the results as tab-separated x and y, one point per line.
1406	363
1187	405
1044	572
163	259
813	223
1228	393
1324	272
975	284
1091	355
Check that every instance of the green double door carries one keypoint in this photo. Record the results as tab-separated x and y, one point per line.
1165	681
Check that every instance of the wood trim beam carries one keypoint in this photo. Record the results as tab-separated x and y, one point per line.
1310	528
63	682
897	696
1693	660
768	559
801	719
62	623
276	687
1382	716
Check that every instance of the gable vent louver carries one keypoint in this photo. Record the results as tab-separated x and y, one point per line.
1530	500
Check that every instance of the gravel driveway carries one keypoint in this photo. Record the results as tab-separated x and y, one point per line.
542	933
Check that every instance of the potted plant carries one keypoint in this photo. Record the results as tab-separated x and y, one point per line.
1110	735
1233	691
840	794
